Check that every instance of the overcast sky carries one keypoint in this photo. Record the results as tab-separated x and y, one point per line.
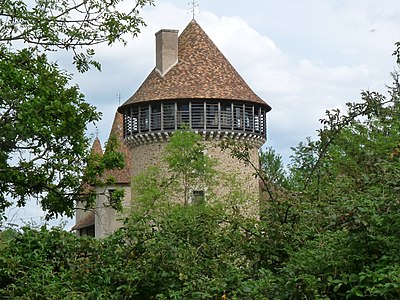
301	57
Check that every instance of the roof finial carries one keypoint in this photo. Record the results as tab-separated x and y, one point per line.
193	4
97	132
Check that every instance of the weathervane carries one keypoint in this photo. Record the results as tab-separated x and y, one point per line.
193	4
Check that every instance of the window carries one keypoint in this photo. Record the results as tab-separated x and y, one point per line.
183	114
226	116
144	118
156	117
169	116
87	231
127	125
198	115
248	118
198	196
212	115
262	121
134	119
238	115
256	123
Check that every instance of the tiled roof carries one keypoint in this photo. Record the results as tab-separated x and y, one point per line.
202	71
96	147
122	176
87	221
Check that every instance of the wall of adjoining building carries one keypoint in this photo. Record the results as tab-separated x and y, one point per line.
107	219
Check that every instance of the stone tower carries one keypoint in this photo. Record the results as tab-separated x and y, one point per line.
193	85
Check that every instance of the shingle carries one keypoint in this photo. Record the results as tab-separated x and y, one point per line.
202	72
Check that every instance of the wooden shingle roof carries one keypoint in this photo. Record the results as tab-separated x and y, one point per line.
202	72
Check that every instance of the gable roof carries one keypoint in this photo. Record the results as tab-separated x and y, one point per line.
202	72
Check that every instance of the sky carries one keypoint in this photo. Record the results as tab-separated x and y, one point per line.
301	57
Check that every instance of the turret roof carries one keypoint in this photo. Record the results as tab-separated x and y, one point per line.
202	72
96	147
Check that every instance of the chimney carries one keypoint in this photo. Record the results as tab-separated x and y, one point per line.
166	50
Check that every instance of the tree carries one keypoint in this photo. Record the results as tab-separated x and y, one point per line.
43	118
273	167
165	250
347	182
188	163
43	126
331	225
331	231
70	25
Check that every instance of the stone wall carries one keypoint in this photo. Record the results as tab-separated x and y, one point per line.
233	176
232	173
107	219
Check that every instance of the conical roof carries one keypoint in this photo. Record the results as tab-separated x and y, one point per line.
202	72
96	147
122	176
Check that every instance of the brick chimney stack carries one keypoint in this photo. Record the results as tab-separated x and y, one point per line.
166	50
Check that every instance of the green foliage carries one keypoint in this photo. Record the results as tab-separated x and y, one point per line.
187	254
43	123
70	25
96	175
188	163
53	264
347	182
43	117
329	228
273	167
193	252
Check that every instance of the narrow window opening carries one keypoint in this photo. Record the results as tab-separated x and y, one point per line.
238	115
197	197
87	231
156	117
169	116
183	114
212	115
197	115
226	116
135	120
144	118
